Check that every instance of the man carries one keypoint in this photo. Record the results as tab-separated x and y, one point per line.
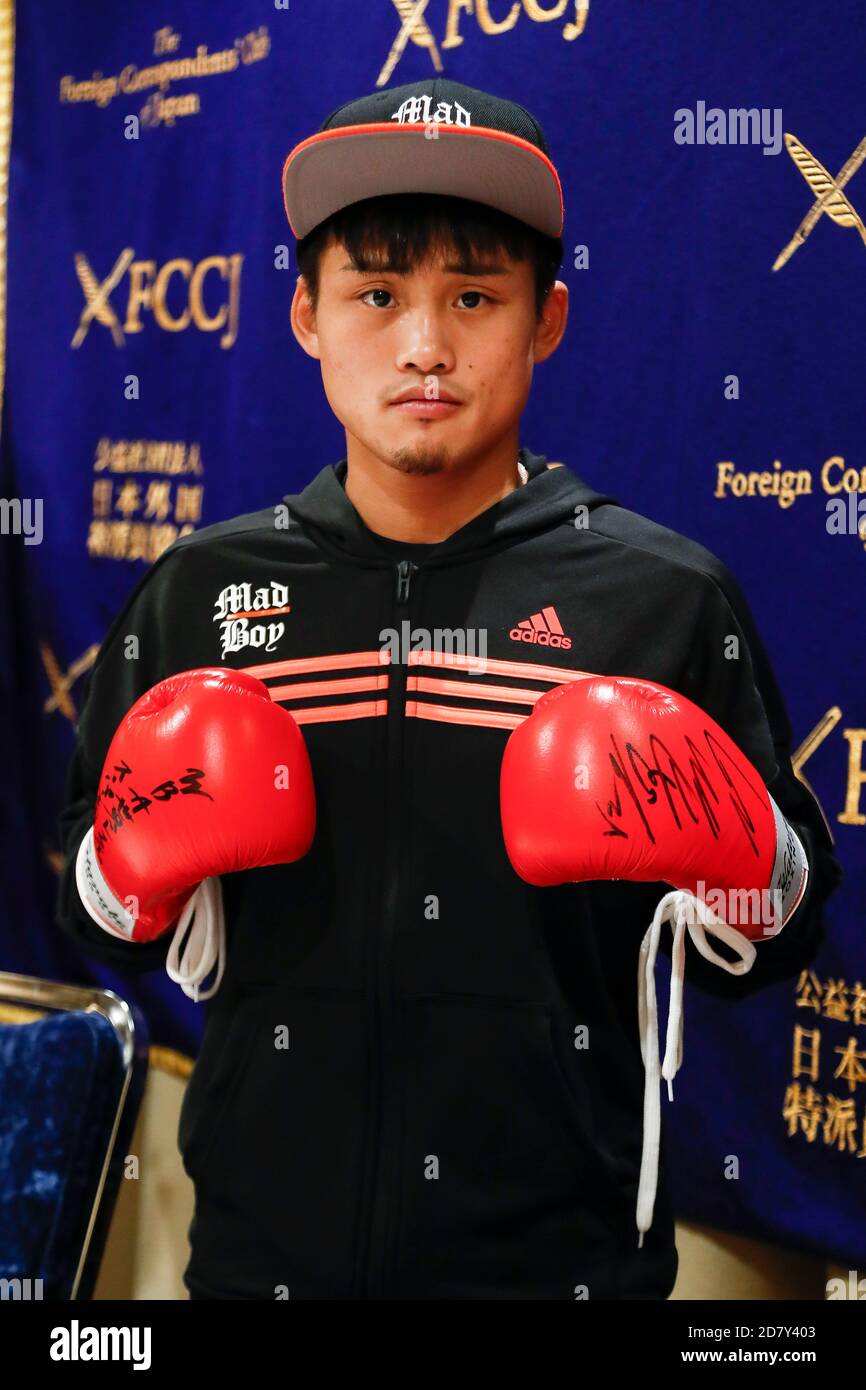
389	1102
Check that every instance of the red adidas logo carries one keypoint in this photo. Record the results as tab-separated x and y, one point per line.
541	630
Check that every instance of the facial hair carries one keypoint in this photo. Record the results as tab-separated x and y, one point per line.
422	460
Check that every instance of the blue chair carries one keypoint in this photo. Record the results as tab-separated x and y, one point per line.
73	1063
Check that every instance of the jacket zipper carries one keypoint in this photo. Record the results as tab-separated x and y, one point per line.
384	1172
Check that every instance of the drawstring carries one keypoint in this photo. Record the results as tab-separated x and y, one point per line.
677	907
205	945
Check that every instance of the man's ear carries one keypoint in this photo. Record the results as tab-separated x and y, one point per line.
551	326
303	319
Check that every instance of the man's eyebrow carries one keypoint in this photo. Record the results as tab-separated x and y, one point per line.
452	268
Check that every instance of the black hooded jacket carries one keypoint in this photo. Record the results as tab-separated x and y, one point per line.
388	1101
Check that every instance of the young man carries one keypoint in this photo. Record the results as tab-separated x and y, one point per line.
389	1101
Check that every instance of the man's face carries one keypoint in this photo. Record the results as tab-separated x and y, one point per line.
470	337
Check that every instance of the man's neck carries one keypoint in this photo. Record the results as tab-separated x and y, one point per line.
427	508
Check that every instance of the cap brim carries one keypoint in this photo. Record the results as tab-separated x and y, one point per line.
334	168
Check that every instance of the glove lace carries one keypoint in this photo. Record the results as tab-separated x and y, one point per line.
678	908
204	916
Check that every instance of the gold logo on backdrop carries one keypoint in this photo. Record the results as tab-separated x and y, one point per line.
855	781
801	756
829	196
61	682
149	290
161	106
135	517
414	25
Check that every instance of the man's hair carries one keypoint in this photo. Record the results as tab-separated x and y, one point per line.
403	230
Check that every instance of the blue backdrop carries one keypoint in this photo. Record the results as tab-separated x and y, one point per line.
152	383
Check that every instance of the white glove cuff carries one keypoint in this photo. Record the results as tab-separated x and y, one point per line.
95	894
790	872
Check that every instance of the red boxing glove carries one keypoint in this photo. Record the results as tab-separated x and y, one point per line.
204	776
615	777
619	778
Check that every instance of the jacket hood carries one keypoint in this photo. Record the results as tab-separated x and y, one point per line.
548	497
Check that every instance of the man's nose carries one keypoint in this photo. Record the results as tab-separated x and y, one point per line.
425	342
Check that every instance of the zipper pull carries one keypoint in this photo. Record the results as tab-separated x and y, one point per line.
405	570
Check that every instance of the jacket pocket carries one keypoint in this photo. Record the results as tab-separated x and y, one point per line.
217	1074
275	1139
503	1191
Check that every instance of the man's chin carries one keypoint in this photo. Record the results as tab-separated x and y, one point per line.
420	461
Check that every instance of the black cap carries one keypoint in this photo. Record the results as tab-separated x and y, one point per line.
435	136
